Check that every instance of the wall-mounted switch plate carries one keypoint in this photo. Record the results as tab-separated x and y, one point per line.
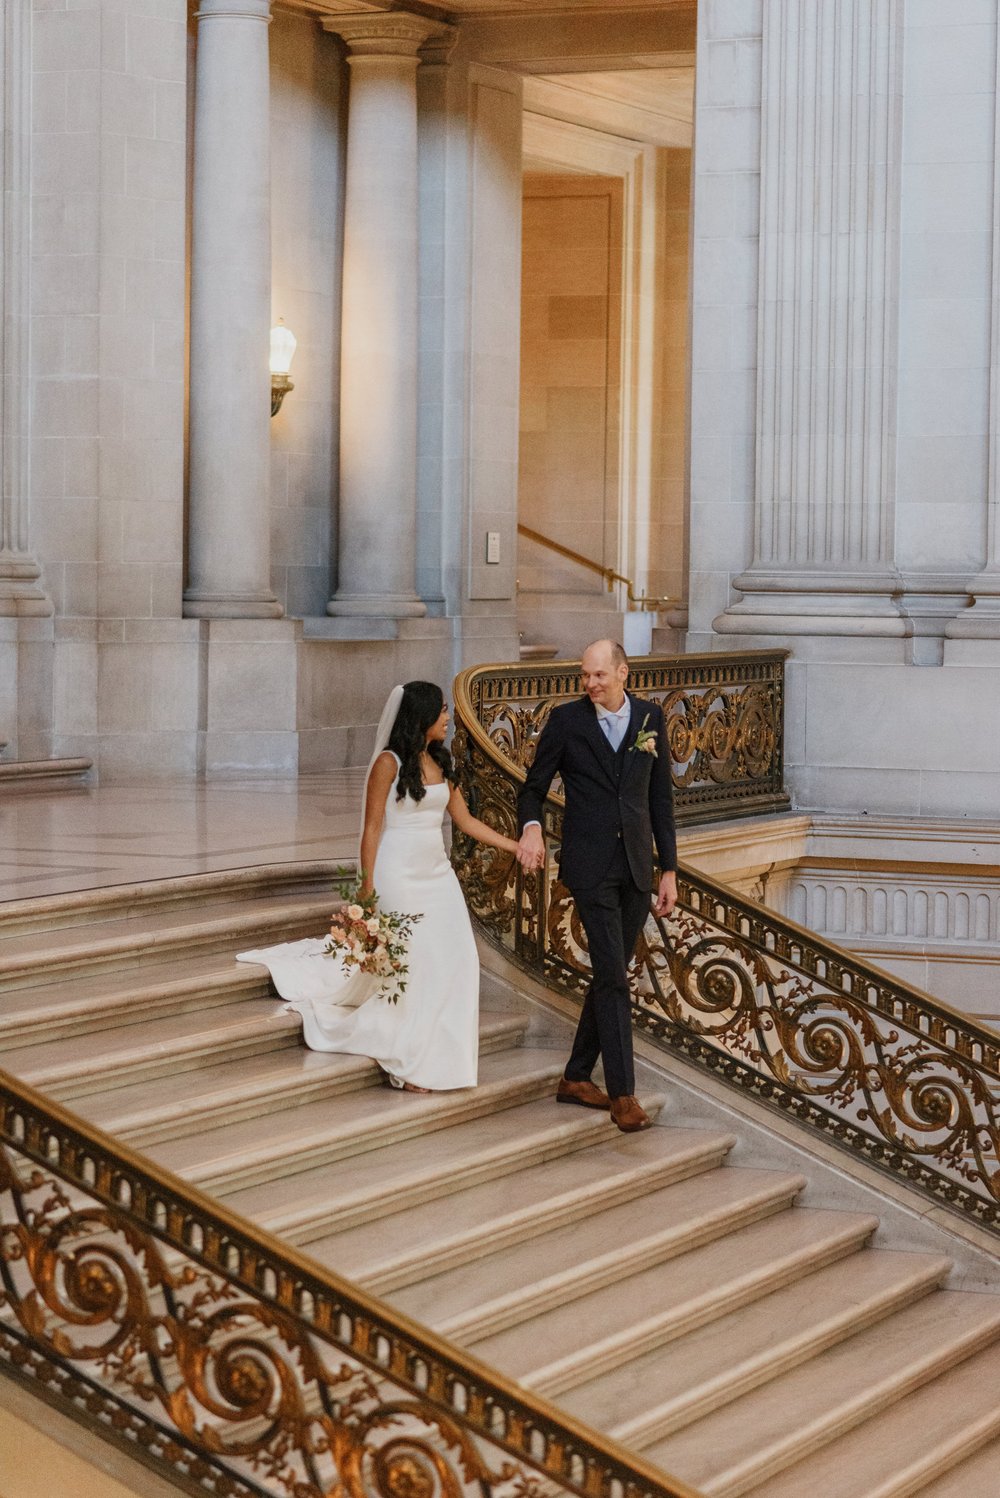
493	546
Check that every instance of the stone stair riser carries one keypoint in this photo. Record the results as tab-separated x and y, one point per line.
307	1228
838	1421
210	939
260	1038
510	1310
531	1223
185	893
260	1168
656	1425
144	1003
943	1476
149	1129
658	1331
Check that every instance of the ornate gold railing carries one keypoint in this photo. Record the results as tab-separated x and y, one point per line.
235	1365
880	1068
611	577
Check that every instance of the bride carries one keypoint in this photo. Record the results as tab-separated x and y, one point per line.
429	1039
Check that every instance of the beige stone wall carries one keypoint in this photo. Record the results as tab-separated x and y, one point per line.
570	375
46	1455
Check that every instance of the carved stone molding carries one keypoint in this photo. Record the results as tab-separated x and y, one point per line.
389	34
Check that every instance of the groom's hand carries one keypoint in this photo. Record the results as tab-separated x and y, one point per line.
531	848
666	895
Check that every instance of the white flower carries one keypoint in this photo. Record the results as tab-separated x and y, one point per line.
354	912
372	924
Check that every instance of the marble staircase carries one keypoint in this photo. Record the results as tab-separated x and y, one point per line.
700	1309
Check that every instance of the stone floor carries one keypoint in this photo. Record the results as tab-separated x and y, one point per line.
52	841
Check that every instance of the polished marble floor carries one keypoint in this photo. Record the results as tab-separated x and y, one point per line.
53	841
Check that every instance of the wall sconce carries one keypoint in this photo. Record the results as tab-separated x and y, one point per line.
282	353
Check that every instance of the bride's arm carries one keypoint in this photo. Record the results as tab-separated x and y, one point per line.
473	827
383	773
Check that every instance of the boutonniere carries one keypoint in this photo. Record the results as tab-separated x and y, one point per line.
645	740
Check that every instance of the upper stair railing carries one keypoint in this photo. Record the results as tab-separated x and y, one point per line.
878	1067
234	1365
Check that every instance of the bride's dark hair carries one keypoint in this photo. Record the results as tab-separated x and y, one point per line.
420	708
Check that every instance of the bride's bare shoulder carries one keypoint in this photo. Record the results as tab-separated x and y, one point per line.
385	764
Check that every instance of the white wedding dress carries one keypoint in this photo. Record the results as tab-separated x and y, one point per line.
430	1036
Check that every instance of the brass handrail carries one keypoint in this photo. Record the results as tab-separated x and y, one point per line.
610	576
872	1063
215	1358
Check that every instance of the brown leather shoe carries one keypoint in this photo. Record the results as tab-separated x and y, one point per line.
584	1094
627	1114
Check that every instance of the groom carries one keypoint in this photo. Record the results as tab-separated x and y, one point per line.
611	751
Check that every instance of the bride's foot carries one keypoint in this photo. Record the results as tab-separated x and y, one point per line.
388	1080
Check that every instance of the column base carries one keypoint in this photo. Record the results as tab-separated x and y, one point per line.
377	606
982	620
21	593
202	605
820	603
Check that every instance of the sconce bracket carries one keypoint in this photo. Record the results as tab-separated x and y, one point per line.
280	386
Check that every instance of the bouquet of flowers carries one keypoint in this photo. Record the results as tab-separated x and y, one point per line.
371	940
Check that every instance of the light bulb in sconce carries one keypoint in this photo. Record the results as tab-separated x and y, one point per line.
282	354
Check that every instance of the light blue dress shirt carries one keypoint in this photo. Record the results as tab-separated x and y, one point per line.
615	725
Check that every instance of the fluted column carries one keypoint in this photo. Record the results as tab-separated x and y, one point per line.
229	524
20	590
378	366
827	323
982	620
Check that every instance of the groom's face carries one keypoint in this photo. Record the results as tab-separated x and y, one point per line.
602	680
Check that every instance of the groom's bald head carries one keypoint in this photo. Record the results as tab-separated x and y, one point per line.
609	649
604	672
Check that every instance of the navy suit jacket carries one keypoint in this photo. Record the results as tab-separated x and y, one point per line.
602	806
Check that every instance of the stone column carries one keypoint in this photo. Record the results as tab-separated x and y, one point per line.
378	375
982	620
827	324
230	458
20	590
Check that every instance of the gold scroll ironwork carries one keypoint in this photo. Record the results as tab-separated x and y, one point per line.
876	1066
235	1364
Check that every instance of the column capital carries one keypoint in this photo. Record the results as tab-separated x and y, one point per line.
235	10
384	34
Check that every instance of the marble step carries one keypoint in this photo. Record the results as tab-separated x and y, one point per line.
126	996
445	1233
245	1089
727	1254
921	1446
316	1205
977	1476
88	907
650	1395
750	1441
17	772
70	1069
154	939
502	1290
312	1133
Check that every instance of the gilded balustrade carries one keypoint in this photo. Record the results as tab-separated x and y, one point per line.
236	1365
876	1066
